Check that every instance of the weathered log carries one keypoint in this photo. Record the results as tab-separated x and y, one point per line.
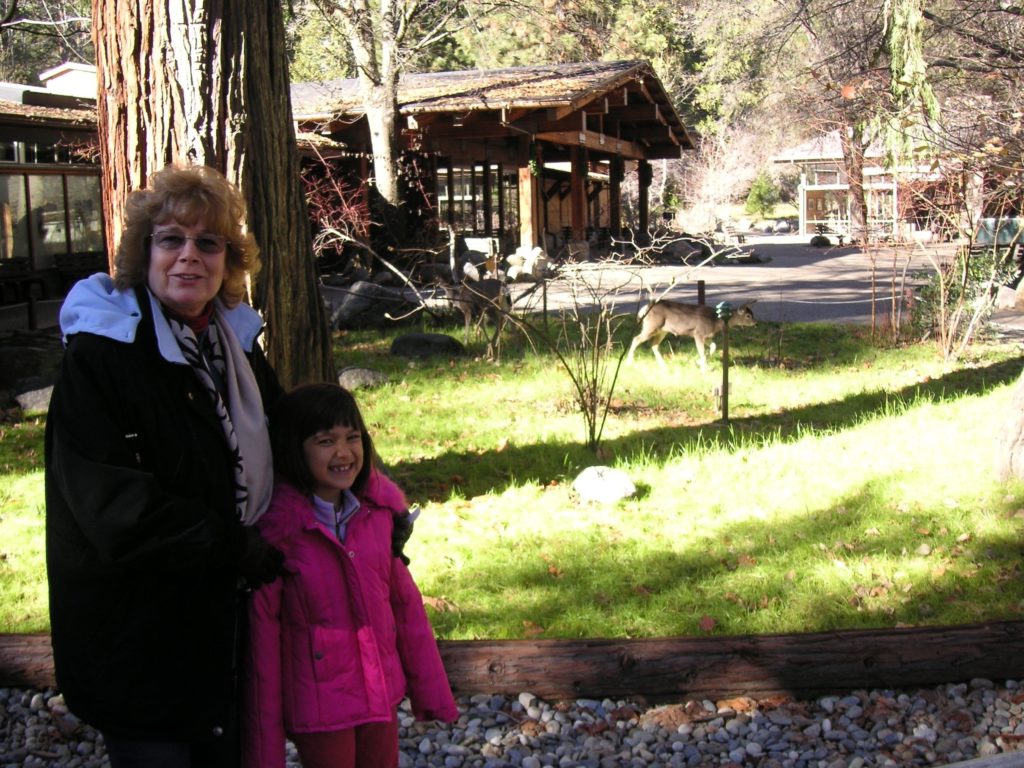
26	661
800	665
1002	760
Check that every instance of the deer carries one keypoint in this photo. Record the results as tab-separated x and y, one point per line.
480	299
702	323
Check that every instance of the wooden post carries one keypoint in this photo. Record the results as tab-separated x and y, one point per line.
528	195
644	177
615	197
578	192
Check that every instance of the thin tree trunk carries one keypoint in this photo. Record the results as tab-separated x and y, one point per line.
382	115
853	161
205	81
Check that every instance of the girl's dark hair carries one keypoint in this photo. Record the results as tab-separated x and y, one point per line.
305	411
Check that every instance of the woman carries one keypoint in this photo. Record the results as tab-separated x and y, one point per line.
157	463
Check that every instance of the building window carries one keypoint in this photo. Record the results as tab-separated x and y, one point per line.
13	218
45	215
85	215
42	153
462	192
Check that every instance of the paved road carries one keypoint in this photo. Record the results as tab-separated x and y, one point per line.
795	283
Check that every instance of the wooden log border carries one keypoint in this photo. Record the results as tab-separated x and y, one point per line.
673	669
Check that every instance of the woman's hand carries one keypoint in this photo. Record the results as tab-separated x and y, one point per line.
257	561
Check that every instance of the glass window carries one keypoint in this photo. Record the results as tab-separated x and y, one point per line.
86	216
467	199
13	221
47	224
510	182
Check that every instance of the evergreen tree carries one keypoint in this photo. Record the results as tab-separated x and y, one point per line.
763	195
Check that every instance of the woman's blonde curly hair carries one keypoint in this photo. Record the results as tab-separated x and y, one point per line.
187	195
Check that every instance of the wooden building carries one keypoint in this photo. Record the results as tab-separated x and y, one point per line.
532	156
527	155
51	227
895	198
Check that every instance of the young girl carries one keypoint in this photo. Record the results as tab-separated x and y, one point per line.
342	638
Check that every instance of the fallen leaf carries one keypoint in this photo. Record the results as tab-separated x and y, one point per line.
707	624
532	728
739	704
532	630
502	445
924	550
439	604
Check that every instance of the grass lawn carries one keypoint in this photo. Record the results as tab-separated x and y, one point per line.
853	487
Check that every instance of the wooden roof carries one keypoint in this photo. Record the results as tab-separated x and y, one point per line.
28	114
615	107
823	147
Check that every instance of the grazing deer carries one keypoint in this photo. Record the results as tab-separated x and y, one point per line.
480	299
702	323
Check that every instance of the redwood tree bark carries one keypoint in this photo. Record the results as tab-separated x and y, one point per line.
206	81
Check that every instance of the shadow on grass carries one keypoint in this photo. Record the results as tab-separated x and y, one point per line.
435	478
567	586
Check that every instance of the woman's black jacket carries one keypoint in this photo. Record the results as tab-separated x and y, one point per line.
139	516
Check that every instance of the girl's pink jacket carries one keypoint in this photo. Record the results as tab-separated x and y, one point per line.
343	637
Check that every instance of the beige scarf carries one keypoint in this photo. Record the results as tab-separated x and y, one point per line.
224	371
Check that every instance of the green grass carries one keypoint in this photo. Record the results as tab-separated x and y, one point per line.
852	488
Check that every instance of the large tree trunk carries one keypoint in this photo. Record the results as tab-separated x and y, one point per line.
205	81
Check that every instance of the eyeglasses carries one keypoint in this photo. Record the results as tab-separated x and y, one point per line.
175	241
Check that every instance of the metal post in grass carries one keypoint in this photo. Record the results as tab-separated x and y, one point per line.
724	312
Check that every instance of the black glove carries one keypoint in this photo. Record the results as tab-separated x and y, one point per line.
257	561
400	534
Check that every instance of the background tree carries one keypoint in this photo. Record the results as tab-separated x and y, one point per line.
38	34
385	39
206	81
529	32
763	195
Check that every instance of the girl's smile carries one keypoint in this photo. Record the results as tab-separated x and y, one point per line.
334	458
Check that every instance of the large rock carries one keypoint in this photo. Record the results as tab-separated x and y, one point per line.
423	345
1010	441
1006	297
364	305
28	362
361	378
35	400
605	485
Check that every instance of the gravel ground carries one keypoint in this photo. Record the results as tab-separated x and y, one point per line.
935	726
